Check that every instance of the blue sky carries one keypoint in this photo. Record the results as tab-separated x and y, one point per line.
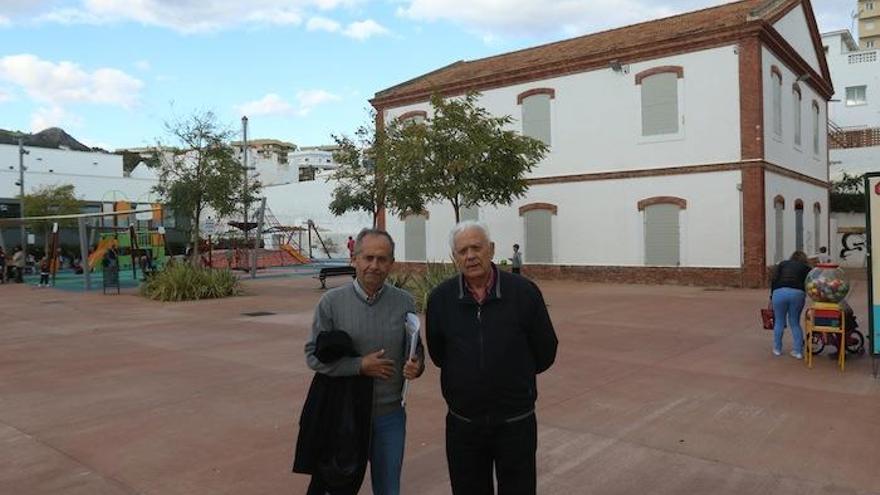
111	72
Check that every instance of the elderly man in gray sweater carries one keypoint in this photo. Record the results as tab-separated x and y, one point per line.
373	313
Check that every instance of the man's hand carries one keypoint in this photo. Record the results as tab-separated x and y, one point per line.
375	366
413	369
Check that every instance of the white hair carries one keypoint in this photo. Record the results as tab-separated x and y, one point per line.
467	225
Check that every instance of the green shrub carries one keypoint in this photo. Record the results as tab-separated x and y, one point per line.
421	284
185	282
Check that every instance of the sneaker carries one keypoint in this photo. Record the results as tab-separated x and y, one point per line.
796	355
777	352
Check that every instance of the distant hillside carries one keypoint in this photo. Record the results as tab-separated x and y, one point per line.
52	137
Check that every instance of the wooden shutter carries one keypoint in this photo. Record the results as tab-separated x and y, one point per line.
539	236
536	117
799	229
780	232
469	213
662	237
414	238
660	104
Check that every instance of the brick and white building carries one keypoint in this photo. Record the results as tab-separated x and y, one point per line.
689	149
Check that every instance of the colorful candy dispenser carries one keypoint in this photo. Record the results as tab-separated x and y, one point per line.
827	283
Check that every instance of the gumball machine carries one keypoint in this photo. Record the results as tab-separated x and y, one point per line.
827	283
827	286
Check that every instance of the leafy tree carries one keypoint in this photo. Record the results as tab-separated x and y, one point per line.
202	172
374	171
462	155
848	194
51	200
357	188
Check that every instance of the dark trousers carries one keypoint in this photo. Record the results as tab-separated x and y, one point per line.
19	274
473	449
515	269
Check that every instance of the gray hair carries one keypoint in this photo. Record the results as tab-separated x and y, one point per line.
467	225
365	232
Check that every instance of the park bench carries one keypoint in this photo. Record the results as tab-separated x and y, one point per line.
335	271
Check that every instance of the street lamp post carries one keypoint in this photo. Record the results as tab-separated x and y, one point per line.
21	169
244	196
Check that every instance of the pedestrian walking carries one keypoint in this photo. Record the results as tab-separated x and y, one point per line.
516	260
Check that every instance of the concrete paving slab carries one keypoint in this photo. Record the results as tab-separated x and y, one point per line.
662	390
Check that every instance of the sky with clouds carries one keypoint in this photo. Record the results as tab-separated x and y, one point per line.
111	72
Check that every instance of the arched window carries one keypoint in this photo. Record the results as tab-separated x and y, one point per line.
799	225
815	128
660	105
817	227
538	218
776	99
414	236
536	121
469	213
662	230
797	101
414	117
779	209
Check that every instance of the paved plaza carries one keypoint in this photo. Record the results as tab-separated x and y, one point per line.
660	390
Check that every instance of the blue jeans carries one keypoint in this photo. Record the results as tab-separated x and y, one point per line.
787	305
386	452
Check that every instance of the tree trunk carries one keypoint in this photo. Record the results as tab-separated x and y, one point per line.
194	254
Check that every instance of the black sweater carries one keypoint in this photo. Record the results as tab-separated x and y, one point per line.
489	354
790	273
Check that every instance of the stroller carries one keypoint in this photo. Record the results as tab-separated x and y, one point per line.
855	340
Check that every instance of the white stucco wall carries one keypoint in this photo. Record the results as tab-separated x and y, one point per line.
781	150
794	28
596	116
61	161
296	203
855	161
598	222
88	188
793	190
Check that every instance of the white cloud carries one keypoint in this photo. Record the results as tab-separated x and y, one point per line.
309	99
323	24
364	29
53	116
192	16
66	82
4	22
271	104
143	65
493	19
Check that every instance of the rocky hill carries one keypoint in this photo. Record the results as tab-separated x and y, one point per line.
52	137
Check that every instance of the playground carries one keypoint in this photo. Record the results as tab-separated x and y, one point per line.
122	395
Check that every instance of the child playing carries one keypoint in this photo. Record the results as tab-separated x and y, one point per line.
44	272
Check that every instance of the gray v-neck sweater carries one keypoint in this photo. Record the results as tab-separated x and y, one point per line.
374	325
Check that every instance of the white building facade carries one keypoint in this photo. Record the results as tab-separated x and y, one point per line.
695	158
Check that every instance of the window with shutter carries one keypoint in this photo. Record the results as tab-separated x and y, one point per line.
815	128
662	235
780	231
817	227
799	226
776	88
660	104
797	99
469	213
536	117
539	236
414	238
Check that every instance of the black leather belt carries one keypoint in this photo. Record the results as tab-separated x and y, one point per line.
486	420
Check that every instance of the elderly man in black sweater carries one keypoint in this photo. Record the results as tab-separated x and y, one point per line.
490	334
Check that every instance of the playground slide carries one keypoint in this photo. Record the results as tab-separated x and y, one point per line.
296	255
98	254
